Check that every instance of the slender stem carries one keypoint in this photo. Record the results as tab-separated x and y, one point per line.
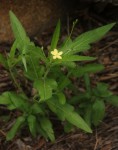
48	69
15	81
34	67
87	82
13	77
69	36
46	73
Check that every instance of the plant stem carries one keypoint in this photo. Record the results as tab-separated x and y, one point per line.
48	67
13	77
46	73
87	82
34	67
14	80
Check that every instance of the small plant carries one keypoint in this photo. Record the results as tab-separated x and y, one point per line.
50	75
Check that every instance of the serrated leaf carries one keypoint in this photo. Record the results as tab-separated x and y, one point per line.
68	127
18	102
44	89
102	90
88	114
36	109
52	83
76	58
24	62
4	99
67	112
13	49
71	50
62	98
113	100
66	43
55	37
37	52
19	121
102	86
98	112
70	64
41	131
63	82
84	40
47	127
89	68
3	61
65	47
23	42
11	107
75	119
17	28
32	124
34	69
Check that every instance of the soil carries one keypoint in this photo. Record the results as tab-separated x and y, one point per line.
104	137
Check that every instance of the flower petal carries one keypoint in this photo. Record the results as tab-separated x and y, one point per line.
55	51
54	57
59	57
60	53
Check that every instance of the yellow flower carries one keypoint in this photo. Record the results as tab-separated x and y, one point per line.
56	54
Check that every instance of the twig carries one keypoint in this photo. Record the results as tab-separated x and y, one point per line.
111	43
96	143
3	133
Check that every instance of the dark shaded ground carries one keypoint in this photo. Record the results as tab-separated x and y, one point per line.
105	137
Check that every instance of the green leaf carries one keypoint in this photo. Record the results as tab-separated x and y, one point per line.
75	119
76	58
17	28
3	61
13	101
52	83
4	99
19	121
23	42
88	114
66	111
34	69
13	50
65	47
113	100
37	53
102	90
47	127
44	89
102	86
11	107
62	98
32	124
18	102
41	131
70	64
98	112
84	40
89	68
55	37
24	63
36	109
63	82
68	127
